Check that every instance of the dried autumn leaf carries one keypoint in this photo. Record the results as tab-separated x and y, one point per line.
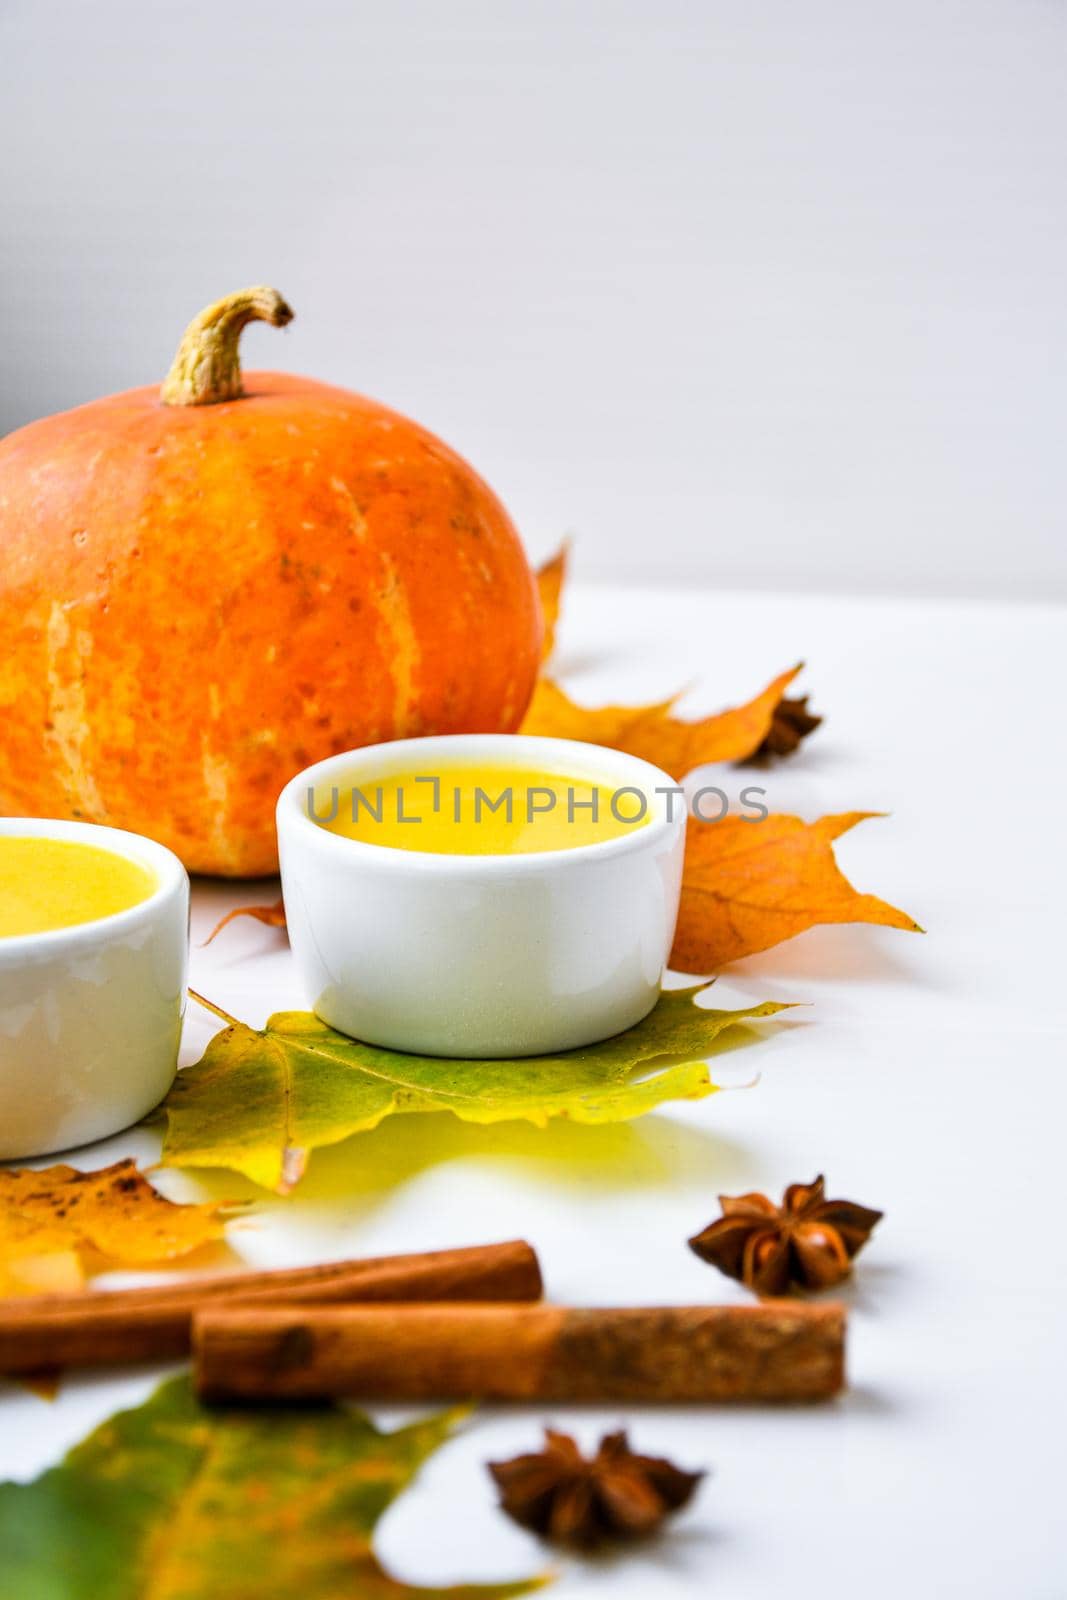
172	1499
273	916
749	885
259	1101
550	580
36	1260
654	733
51	1220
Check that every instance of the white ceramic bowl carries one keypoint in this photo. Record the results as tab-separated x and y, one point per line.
488	955
90	1016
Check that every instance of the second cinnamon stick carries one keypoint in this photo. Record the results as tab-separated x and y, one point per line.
778	1350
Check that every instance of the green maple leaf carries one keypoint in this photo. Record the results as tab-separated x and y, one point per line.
259	1101
175	1502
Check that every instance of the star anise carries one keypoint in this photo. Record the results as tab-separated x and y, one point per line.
791	722
807	1241
617	1494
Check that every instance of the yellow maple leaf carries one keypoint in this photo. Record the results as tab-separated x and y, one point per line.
262	1099
55	1221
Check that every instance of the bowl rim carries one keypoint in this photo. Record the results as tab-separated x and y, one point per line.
169	870
540	749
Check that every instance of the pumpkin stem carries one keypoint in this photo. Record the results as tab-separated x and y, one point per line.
207	367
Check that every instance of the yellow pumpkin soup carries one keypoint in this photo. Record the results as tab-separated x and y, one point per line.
458	809
59	883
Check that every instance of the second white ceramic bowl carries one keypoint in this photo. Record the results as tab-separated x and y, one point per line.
91	1016
489	955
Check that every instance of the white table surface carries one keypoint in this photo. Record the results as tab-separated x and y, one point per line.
927	1079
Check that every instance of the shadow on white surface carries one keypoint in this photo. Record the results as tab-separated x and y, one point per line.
848	953
874	1286
369	1168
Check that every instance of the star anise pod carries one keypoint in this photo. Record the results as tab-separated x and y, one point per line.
807	1241
615	1495
791	722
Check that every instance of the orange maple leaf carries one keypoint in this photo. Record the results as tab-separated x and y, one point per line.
550	580
273	916
748	885
653	732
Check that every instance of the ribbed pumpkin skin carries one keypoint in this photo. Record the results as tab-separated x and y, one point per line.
196	602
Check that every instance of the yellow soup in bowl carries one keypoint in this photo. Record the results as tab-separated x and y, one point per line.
58	883
459	809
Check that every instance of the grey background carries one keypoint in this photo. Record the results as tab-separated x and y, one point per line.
740	293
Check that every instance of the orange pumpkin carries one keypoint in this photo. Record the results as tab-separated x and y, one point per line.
205	587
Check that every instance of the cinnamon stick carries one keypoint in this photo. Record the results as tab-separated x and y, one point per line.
99	1328
777	1350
